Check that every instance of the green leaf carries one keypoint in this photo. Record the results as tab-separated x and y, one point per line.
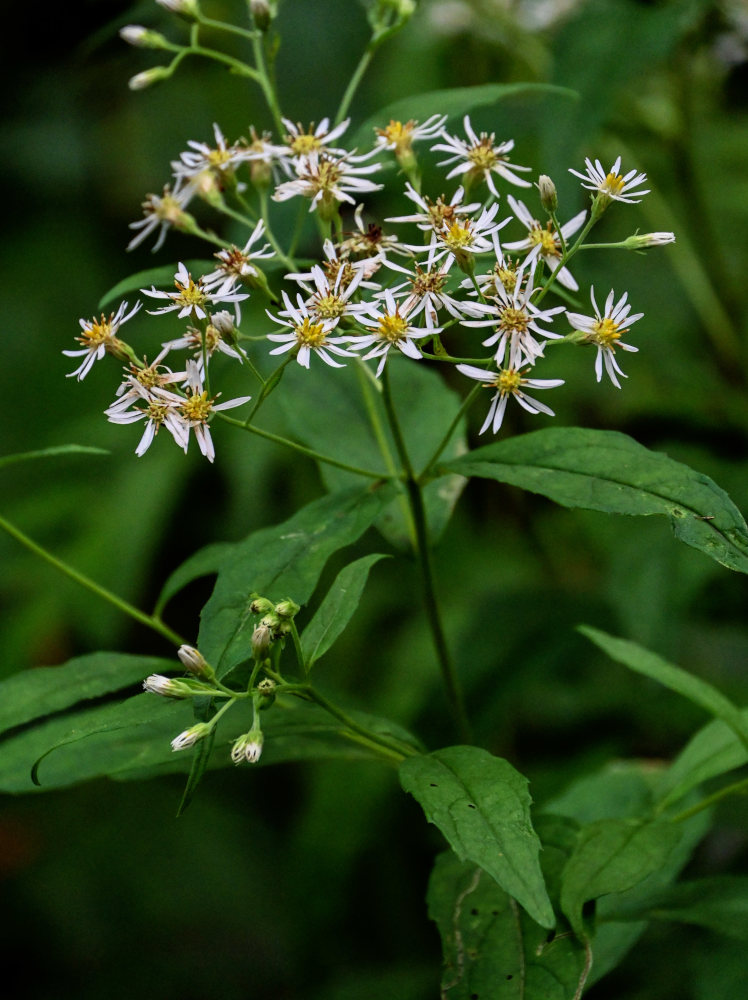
53	452
492	950
719	903
712	751
315	416
158	277
33	694
204	562
278	562
612	855
336	609
454	103
642	661
608	471
482	806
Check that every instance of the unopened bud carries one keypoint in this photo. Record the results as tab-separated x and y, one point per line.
260	605
223	321
641	242
548	194
195	662
261	14
262	640
188	9
148	77
287	609
248	747
143	38
158	684
191	736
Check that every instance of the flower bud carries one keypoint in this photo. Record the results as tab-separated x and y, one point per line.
548	194
143	38
188	9
641	242
148	77
260	605
262	14
195	662
223	321
248	747
262	640
158	684
191	736
287	609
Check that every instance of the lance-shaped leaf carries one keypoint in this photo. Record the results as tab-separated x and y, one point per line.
336	609
612	855
698	691
608	471
482	806
204	562
281	561
713	750
53	452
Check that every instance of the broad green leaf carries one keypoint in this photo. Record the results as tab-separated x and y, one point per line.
158	277
712	751
492	950
53	452
336	609
33	694
675	678
453	103
612	855
608	471
426	407
281	561
132	740
482	806
204	562
719	903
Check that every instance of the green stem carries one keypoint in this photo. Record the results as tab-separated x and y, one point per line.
267	87
425	564
309	452
394	746
350	90
233	29
466	404
291	264
736	788
566	257
151	621
239	67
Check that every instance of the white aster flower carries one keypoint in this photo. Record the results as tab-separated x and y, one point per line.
140	400
192	298
605	332
162	212
307	333
158	684
248	747
434	215
99	337
400	137
203	165
544	241
509	382
239	264
191	736
515	319
371	242
390	327
612	185
330	297
460	238
204	344
328	180
300	143
480	157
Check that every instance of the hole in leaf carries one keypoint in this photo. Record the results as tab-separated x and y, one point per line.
510	976
433	784
474	912
471	806
494	913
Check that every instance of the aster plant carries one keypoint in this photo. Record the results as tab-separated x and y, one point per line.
420	312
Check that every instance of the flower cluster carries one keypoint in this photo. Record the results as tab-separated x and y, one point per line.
451	274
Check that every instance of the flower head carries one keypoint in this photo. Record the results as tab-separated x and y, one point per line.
162	212
509	381
328	180
307	333
480	157
99	337
605	330
391	327
612	185
192	298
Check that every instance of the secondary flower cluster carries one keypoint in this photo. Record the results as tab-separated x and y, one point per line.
374	291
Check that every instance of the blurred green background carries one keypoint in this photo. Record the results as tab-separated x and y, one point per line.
307	881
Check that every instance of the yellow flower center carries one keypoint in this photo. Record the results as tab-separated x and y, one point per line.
546	238
303	144
100	332
508	380
514	319
606	333
482	156
399	134
218	158
310	334
197	407
457	236
428	281
156	412
148	377
507	276
440	213
614	184
329	306
393	327
190	294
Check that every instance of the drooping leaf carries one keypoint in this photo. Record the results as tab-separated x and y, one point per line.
53	452
482	806
612	855
608	471
698	691
336	609
281	561
492	950
713	750
204	562
719	903
34	694
426	407
453	103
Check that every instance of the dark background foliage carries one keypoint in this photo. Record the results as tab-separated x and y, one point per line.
307	881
